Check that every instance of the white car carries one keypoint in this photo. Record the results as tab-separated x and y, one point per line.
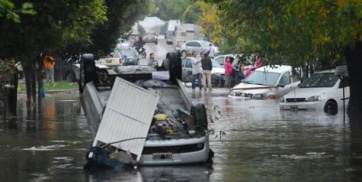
217	69
198	46
323	90
267	82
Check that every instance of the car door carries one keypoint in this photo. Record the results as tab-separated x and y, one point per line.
220	60
285	83
187	70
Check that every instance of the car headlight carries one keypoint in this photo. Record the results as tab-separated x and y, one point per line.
282	99
313	98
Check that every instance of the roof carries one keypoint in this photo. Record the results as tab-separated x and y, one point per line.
275	68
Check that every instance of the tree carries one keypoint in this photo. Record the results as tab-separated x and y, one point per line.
48	31
302	31
121	16
170	9
9	11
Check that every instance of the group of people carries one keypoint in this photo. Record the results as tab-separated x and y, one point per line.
201	70
239	71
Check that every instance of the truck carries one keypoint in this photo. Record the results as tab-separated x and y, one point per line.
171	30
185	32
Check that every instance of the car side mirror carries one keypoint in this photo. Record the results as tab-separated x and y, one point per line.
279	85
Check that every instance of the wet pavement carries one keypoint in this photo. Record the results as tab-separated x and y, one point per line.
253	141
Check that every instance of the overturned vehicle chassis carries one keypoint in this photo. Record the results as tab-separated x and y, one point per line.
173	131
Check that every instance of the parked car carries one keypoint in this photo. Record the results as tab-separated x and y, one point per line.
217	72
198	46
323	91
72	66
150	37
267	82
130	55
222	58
113	59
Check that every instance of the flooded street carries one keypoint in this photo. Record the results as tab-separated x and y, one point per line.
252	140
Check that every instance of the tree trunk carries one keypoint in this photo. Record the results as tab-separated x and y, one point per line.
354	65
30	83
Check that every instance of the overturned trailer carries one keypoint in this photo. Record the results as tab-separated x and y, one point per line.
145	113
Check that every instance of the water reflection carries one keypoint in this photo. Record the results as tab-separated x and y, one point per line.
252	140
155	174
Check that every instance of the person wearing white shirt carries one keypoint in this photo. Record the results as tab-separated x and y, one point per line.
212	52
196	71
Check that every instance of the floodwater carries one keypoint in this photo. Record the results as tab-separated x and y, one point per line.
252	140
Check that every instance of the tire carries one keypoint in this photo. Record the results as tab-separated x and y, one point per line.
331	107
187	83
87	71
175	66
70	77
81	82
215	81
198	112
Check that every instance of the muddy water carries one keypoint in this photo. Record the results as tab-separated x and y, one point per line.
252	141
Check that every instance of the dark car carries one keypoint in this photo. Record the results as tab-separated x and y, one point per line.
150	37
130	55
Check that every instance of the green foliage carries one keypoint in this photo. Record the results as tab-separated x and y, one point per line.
298	30
168	9
8	10
191	14
121	17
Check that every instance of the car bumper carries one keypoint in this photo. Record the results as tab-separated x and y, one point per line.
301	106
174	158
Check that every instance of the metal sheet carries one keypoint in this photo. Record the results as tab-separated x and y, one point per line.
128	116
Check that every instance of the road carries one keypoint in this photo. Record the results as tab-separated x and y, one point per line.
160	50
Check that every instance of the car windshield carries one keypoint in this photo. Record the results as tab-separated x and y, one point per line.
320	80
114	55
126	52
262	78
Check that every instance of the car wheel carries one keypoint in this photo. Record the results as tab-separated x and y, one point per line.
215	81
175	66
87	71
81	77
70	77
198	112
331	107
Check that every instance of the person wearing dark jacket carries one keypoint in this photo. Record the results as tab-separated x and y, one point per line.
206	72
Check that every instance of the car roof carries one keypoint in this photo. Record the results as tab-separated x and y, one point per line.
275	68
326	71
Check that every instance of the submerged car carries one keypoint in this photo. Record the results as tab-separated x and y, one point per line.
267	82
322	91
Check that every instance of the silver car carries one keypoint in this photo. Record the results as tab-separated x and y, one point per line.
198	46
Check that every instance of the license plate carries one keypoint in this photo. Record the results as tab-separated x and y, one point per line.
109	61
162	156
294	108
